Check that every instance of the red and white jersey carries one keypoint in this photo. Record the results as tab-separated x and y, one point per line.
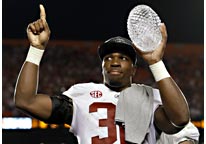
94	112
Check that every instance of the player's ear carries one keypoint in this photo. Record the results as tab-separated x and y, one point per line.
134	69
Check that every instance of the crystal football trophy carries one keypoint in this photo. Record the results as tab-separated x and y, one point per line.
143	26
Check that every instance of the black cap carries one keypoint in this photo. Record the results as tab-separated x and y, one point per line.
118	44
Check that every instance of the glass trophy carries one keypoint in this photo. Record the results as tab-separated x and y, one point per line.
143	26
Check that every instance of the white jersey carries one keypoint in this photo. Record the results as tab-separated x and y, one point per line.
190	132
94	112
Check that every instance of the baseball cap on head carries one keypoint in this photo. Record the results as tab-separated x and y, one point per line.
118	44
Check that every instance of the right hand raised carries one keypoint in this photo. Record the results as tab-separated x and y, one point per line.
38	32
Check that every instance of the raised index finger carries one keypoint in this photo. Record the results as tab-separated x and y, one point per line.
42	12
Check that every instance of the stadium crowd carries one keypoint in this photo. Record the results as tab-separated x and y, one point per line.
63	66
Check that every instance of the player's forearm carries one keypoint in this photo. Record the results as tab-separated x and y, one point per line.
174	102
189	142
26	86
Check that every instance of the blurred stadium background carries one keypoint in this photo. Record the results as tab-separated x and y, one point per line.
78	27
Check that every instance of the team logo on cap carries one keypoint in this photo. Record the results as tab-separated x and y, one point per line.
96	94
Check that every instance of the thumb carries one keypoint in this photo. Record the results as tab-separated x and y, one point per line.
42	12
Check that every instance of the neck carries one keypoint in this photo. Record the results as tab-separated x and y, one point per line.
117	88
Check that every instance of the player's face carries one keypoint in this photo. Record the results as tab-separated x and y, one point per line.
117	70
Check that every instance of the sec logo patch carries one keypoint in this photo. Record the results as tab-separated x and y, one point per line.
96	94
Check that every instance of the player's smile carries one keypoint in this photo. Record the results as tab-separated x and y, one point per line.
115	71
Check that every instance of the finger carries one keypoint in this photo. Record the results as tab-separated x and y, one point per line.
138	50
163	31
45	25
31	28
41	25
162	45
42	12
37	25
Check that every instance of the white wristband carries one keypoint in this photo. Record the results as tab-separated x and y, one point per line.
159	71
34	55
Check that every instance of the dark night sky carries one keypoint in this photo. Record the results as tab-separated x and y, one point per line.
102	19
